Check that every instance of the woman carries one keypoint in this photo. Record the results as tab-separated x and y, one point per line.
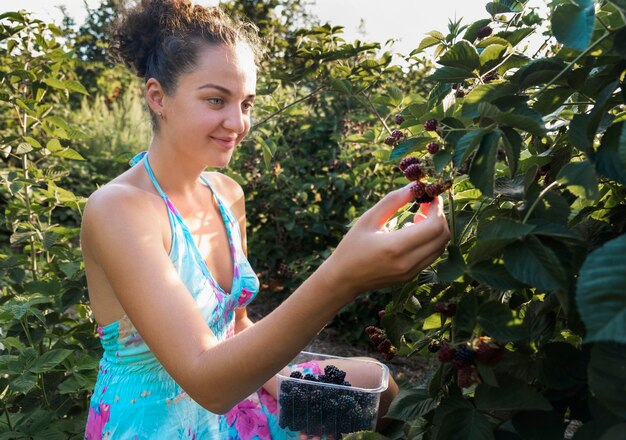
165	250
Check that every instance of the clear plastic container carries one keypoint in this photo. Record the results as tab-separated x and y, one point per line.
329	409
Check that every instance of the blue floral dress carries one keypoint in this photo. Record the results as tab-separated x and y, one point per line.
135	398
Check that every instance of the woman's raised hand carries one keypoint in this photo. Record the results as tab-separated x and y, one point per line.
371	257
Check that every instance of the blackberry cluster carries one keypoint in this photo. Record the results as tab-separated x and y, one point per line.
412	170
465	356
446	309
382	343
395	137
322	410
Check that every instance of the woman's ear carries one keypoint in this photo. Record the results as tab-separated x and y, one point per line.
155	95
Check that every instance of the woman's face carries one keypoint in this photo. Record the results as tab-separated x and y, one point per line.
208	114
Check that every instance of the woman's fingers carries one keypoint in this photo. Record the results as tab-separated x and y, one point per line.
376	217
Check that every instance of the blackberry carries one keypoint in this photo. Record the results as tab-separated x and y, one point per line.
419	189
310	377
459	94
370	330
489	353
450	310
434	346
431	124
467	376
455	86
433	147
377	338
463	357
381	313
390	140
335	374
413	172
484	32
397	134
399	119
490	77
391	353
384	346
439	307
296	375
446	353
424	199
434	189
407	161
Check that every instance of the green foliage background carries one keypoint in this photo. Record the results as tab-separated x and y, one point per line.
534	144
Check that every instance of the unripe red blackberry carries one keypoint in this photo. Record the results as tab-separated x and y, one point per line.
390	353
424	199
446	185
484	32
418	189
489	353
397	134
446	353
377	338
384	346
490	77
455	86
467	376
408	160
399	119
450	310
434	346
439	307
370	330
434	189
463	357
413	172
459	94
381	313
431	124
390	140
433	147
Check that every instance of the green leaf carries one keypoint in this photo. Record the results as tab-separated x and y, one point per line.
513	145
600	294
497	320
467	144
425	43
49	360
408	146
493	275
450	75
580	175
537	72
55	83
482	169
23	383
364	435
472	30
23	148
69	153
75	86
607	376
452	267
54	146
465	317
572	24
486	374
466	424
411	404
504	6
462	55
441	159
503	228
511	395
552	99
535	264
610	158
524	119
492	56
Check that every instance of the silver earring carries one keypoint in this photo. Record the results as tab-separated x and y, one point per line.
160	115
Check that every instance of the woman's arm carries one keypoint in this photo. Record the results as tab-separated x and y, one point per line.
219	374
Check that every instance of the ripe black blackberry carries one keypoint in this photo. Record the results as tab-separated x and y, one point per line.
296	374
399	119
434	346
463	357
484	32
434	189
397	134
407	161
413	172
336	375
390	140
431	124
433	147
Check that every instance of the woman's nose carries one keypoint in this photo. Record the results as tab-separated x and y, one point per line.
236	120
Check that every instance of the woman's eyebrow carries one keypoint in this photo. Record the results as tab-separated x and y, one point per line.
222	89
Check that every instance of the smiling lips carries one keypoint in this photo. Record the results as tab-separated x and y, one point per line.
228	143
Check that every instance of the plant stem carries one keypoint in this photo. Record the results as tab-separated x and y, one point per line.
373	107
541	195
570	65
452	214
297	101
6	413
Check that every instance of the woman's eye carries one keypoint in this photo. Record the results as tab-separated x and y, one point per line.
215	101
247	105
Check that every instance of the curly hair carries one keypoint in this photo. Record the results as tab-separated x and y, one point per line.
161	38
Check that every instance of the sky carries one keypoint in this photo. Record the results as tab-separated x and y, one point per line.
404	21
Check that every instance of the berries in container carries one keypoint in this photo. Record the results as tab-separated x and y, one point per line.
326	396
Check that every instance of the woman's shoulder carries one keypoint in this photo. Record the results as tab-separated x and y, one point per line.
227	187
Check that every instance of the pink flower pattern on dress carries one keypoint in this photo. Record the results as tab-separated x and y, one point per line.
249	421
96	421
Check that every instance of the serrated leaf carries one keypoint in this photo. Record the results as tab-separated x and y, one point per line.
466	423
462	55
493	275
75	86
408	146
580	175
533	263
607	376
497	320
600	295
23	383
465	317
504	6
610	158
471	31
511	395
53	145
513	146
411	404
425	43
23	148
449	74
491	56
504	229
49	360
572	24
69	153
467	144
482	168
